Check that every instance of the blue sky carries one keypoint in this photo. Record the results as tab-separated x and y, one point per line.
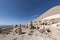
22	11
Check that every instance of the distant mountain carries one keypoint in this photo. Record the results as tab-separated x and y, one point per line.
6	26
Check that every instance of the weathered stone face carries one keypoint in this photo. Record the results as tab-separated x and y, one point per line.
17	29
52	11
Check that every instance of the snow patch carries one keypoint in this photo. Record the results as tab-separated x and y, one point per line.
52	17
56	25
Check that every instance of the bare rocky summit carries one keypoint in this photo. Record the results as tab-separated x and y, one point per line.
46	27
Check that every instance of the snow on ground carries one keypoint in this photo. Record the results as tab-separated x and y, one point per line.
52	17
56	25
